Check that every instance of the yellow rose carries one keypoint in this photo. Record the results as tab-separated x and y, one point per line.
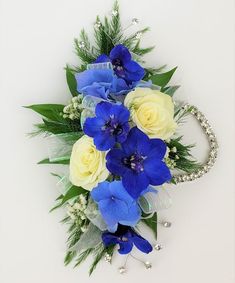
87	164
152	111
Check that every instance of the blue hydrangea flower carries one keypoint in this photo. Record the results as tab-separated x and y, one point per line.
110	126
139	162
123	65
126	238
116	205
100	83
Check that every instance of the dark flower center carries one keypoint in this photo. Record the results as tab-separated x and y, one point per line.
118	67
113	127
134	162
117	62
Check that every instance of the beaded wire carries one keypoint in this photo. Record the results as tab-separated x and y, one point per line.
213	151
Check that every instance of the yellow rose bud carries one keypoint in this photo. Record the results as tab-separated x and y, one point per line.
152	111
87	164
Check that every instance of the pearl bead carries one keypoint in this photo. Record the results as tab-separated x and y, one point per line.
122	269
81	44
135	21
158	247
148	265
166	224
114	13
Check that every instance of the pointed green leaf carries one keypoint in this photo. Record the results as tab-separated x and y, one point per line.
71	81
47	161
49	111
152	223
73	192
170	90
163	78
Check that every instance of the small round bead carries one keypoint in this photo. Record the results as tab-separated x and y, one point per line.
135	21
122	269
148	265
166	224
158	247
114	13
138	35
81	44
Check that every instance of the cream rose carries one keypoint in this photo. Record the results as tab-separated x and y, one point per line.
87	164
152	111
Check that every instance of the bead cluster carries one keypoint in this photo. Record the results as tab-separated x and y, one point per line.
107	257
77	212
212	143
73	110
171	163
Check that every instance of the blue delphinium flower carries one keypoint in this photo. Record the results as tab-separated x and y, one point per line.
123	65
109	126
126	238
139	162
116	205
100	83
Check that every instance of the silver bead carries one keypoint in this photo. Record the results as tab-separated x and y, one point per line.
148	265
114	13
97	25
107	257
158	247
122	269
135	21
81	44
166	224
138	35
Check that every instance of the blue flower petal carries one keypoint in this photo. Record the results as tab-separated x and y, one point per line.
158	148
142	244
101	192
123	136
102	110
121	112
120	52
133	217
133	71
92	126
97	90
102	58
113	210
120	86
118	192
103	141
137	141
125	247
114	161
109	239
135	183
157	171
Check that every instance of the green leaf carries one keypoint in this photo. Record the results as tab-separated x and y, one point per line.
49	111
59	127
73	192
70	255
83	256
170	90
71	81
152	223
47	161
163	78
99	255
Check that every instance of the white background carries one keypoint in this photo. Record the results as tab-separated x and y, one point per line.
36	43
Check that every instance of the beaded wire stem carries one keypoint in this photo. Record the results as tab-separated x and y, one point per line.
212	155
